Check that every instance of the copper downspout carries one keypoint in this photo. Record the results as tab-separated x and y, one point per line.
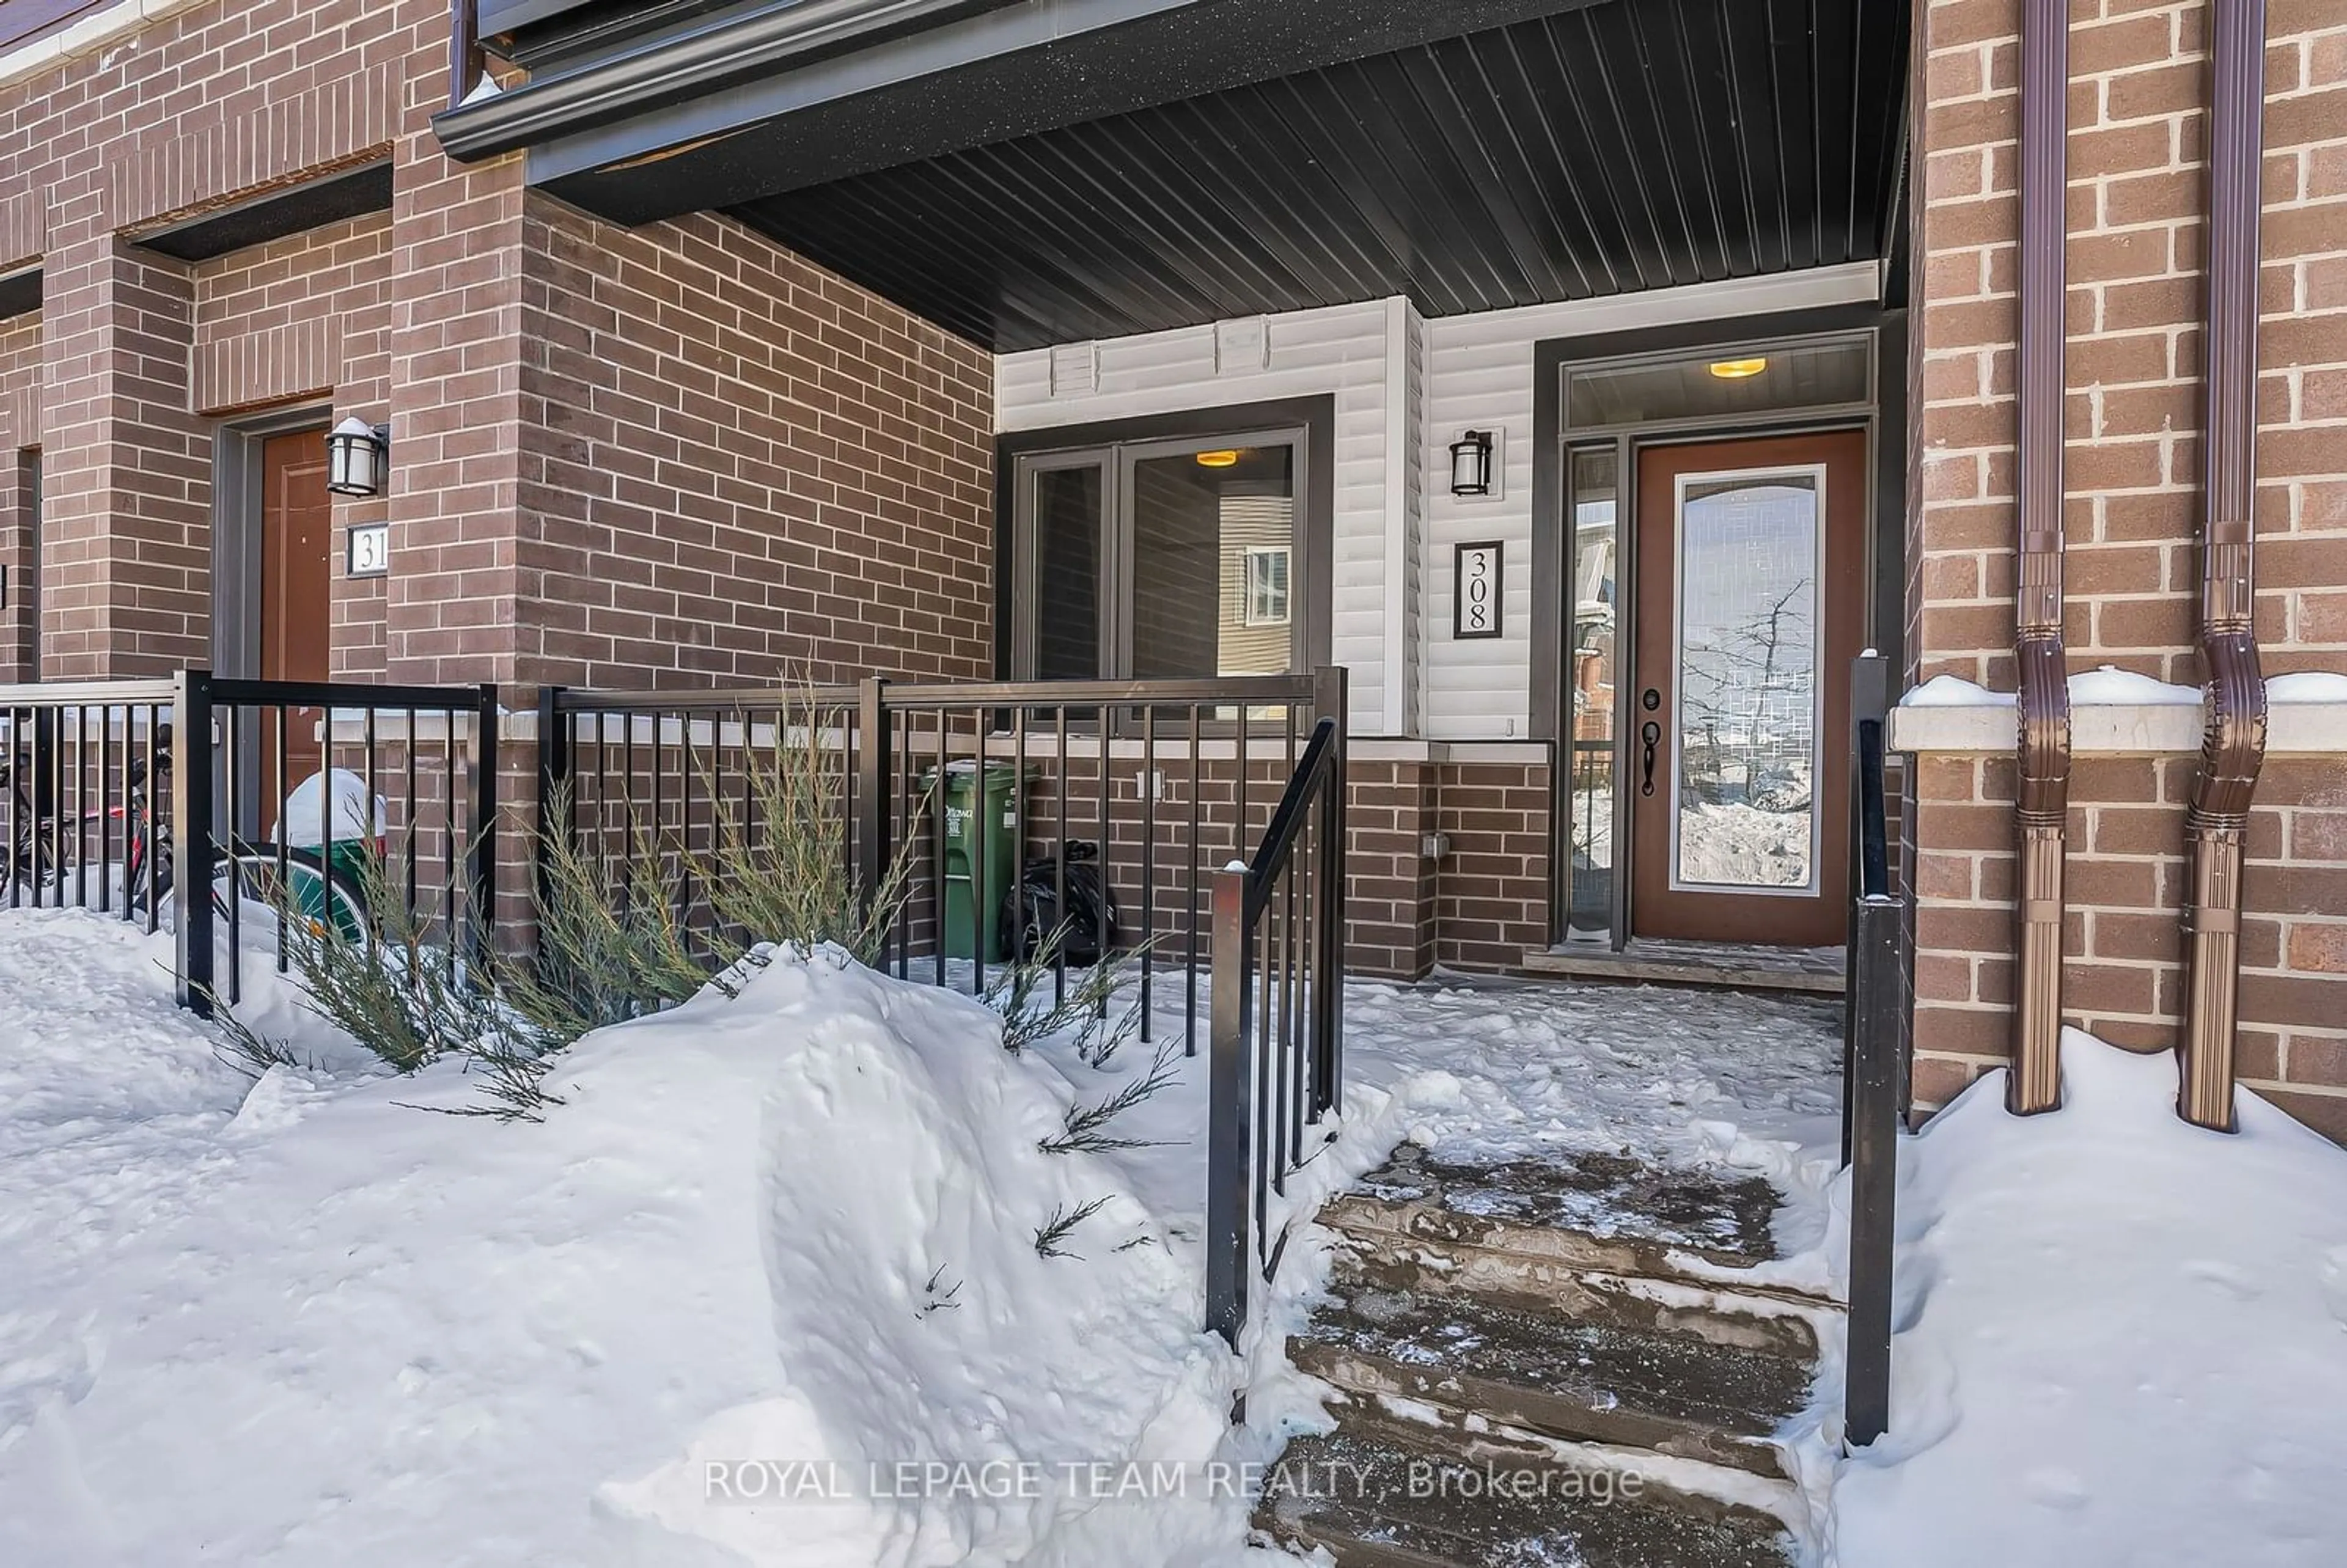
2233	744
2042	803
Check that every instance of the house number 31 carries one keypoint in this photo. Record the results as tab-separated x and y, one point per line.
1475	609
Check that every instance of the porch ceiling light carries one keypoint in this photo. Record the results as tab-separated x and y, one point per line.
358	458
1471	464
1738	369
1223	458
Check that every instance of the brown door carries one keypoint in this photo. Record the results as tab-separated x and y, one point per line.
297	541
1751	600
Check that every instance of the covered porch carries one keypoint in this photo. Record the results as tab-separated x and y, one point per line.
1419	320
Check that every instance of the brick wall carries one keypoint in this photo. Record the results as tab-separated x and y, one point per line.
1389	881
738	468
213	103
2137	189
307	320
20	439
678	452
1491	895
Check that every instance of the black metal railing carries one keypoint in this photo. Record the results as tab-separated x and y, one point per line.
1874	1069
331	801
1060	822
85	794
117	794
1277	1054
1071	822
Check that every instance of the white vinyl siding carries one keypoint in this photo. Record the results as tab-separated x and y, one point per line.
1342	351
1404	387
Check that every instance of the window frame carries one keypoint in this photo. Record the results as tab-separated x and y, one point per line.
1285	615
1117	461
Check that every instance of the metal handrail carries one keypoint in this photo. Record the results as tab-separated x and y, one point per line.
1874	1070
1287	822
1279	952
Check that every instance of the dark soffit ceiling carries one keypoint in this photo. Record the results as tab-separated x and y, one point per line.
1632	144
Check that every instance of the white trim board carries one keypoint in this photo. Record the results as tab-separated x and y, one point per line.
90	35
2113	729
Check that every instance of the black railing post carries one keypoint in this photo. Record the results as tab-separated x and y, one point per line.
1869	703
556	788
1230	1107
192	836
1330	699
47	852
481	870
1874	1166
872	776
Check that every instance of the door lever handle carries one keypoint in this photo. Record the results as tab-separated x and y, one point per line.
1650	734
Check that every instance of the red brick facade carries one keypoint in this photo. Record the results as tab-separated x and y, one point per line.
2137	194
676	454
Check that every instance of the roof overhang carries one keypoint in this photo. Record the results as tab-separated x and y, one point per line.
1026	173
761	100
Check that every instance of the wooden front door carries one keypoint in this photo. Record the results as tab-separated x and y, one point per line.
1751	605
297	586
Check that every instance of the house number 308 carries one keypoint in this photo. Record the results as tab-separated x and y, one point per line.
1475	608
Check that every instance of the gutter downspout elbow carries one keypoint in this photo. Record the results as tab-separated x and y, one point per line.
2234	742
2041	802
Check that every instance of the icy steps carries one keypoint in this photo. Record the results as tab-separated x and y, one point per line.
1563	1324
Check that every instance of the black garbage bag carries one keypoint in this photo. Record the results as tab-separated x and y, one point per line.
1033	910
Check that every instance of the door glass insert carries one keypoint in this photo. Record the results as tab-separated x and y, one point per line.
1591	629
1213	532
1746	686
1068	517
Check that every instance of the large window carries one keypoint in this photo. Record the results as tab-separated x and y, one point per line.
1160	561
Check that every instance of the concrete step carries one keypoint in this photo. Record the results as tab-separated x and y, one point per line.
1376	1496
1672	1391
1543	1230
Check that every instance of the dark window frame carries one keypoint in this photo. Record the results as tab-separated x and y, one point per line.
1553	360
1308	423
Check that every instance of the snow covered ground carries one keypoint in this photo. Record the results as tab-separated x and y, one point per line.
788	1241
789	1235
2123	1338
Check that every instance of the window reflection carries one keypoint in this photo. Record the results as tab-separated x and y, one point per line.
1746	679
1590	656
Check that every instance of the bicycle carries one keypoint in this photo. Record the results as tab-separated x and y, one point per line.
48	849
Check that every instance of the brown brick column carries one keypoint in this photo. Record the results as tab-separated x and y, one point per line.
19	636
126	581
456	414
1389	881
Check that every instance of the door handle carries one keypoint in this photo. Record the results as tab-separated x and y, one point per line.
1649	734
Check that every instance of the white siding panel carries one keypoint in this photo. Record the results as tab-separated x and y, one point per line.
1344	351
1403	387
1479	376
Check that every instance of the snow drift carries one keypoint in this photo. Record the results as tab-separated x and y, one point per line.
297	1322
2123	1339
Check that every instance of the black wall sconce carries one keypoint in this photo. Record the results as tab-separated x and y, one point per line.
1471	464
358	458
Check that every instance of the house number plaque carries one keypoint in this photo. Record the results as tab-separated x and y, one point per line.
370	550
1475	605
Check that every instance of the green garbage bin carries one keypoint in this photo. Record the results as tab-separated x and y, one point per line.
968	926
